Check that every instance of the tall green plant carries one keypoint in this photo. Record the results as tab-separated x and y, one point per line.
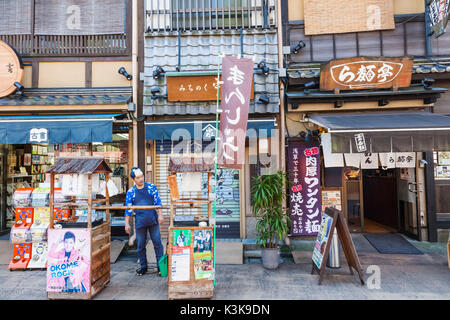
267	198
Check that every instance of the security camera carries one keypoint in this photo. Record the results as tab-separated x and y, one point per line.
124	72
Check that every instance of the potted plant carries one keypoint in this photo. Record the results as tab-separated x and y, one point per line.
267	197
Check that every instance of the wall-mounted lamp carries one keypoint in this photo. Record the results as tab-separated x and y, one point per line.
427	83
301	44
264	99
158	72
124	72
19	90
308	86
262	69
338	104
155	91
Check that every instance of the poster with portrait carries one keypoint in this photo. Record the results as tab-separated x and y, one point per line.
181	255
203	267
68	263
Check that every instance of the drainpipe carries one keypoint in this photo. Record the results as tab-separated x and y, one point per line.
135	78
282	97
428	46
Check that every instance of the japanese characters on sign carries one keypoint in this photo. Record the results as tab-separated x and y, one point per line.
11	69
193	88
360	142
305	194
366	73
38	135
237	75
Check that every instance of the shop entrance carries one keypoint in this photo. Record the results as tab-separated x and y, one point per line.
382	201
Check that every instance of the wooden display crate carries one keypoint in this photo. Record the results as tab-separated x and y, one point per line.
192	288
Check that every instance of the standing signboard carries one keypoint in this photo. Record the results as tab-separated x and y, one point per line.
305	194
333	220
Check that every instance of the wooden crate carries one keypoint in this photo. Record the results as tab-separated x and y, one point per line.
191	289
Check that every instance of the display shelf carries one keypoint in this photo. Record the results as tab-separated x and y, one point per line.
94	263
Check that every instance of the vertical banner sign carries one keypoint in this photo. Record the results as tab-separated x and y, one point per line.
305	194
439	11
237	75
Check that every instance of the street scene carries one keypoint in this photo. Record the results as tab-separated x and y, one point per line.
227	150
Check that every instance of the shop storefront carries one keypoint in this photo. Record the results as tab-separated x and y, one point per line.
30	144
40	124
375	146
173	137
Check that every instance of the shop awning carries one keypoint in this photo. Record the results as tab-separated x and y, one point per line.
168	130
73	128
387	132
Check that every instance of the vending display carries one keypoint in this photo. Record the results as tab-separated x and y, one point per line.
32	219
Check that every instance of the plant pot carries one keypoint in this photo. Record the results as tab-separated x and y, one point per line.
270	257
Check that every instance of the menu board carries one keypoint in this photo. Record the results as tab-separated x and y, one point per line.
331	198
322	240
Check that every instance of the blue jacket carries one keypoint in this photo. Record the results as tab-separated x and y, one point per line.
131	194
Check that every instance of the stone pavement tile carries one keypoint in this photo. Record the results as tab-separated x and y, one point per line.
251	281
6	251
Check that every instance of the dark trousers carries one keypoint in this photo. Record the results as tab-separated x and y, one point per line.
141	237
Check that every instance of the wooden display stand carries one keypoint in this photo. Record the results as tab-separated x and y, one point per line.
189	288
100	235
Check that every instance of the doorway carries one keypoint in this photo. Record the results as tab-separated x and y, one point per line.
380	201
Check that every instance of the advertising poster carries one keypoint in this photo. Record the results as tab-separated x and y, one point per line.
444	158
202	254
181	255
331	198
305	194
322	239
68	264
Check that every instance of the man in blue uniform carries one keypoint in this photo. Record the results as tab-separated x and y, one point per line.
144	194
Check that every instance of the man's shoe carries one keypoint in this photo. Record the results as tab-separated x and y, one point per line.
141	271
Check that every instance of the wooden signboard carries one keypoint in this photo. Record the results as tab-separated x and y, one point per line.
11	69
366	73
332	220
341	16
194	88
190	263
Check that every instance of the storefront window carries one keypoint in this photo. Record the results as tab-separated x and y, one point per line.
24	166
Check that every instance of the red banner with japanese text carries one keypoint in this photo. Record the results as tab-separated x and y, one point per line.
305	194
237	76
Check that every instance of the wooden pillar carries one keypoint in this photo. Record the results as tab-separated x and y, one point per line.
52	198
90	201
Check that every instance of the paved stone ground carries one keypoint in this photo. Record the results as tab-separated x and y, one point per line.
402	276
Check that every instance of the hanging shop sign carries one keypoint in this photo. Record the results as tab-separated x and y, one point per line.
11	69
305	194
439	12
237	80
366	73
38	135
195	88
